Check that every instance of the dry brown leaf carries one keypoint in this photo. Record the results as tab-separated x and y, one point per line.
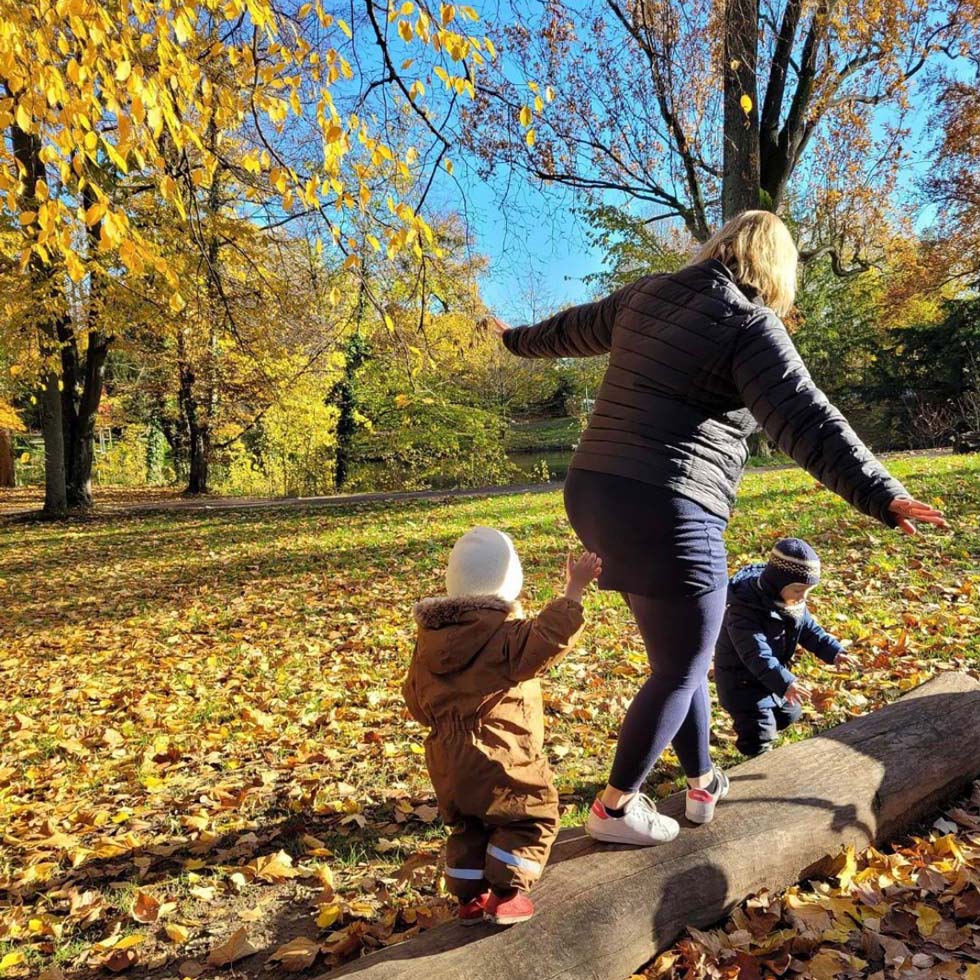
236	947
298	954
417	867
146	908
274	867
120	959
426	813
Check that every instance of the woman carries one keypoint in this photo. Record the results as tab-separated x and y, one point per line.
697	359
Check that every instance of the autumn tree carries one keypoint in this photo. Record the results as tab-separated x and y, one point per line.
106	103
953	183
695	111
10	422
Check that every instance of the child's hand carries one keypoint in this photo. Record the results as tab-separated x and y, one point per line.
796	693
845	661
579	573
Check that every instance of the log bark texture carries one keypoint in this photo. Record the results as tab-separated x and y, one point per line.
602	910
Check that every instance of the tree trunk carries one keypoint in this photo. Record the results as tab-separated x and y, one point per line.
200	404
55	483
79	413
83	394
603	911
69	403
344	396
197	432
7	475
200	457
740	184
47	294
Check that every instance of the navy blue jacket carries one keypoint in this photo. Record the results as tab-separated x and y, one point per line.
758	640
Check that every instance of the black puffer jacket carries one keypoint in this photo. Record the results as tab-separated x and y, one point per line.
694	364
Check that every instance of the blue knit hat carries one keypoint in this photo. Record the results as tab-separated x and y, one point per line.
792	562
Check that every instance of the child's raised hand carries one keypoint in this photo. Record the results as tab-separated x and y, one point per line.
579	573
796	693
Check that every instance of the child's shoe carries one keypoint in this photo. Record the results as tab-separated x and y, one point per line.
471	912
639	823
700	804
511	910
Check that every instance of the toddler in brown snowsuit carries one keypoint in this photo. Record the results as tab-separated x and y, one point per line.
473	682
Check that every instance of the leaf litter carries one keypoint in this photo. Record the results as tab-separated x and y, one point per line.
205	732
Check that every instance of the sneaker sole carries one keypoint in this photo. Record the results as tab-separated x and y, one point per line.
509	920
699	813
632	841
472	922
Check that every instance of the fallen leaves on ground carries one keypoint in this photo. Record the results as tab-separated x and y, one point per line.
906	913
204	720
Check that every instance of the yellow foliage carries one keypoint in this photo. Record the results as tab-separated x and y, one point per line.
100	86
9	419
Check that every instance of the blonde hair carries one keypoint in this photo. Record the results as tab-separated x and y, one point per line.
759	252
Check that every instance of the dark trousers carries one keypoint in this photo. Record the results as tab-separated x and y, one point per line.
757	716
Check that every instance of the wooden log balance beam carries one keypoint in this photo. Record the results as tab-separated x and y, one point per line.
604	910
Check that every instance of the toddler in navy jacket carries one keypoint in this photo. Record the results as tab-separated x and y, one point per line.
765	621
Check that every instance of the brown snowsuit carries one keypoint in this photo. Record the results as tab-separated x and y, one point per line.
473	681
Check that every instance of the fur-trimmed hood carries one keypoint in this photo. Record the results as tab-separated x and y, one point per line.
454	629
441	610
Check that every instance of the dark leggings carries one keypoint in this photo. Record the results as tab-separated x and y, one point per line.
673	706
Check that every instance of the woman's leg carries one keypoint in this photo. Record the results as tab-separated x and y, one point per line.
688	744
679	635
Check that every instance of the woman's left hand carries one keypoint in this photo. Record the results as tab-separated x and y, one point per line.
907	511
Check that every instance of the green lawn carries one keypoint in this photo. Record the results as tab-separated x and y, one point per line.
543	434
186	695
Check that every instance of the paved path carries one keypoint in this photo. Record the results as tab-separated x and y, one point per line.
207	504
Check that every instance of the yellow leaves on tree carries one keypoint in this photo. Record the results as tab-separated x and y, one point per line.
126	91
9	418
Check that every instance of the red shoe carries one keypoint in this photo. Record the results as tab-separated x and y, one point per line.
471	912
510	911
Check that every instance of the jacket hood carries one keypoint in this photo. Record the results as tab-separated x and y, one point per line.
454	629
747	586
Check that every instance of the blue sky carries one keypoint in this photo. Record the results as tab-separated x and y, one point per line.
537	246
539	249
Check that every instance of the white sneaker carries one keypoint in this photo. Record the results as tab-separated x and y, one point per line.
700	804
640	823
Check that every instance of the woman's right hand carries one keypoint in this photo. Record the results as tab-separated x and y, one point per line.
907	511
494	325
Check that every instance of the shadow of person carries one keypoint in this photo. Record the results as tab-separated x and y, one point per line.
704	900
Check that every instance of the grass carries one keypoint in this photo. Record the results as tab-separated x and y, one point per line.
189	691
543	434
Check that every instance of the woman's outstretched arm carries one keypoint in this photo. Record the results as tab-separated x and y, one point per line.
797	416
581	331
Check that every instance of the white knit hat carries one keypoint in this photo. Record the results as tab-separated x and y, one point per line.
483	562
